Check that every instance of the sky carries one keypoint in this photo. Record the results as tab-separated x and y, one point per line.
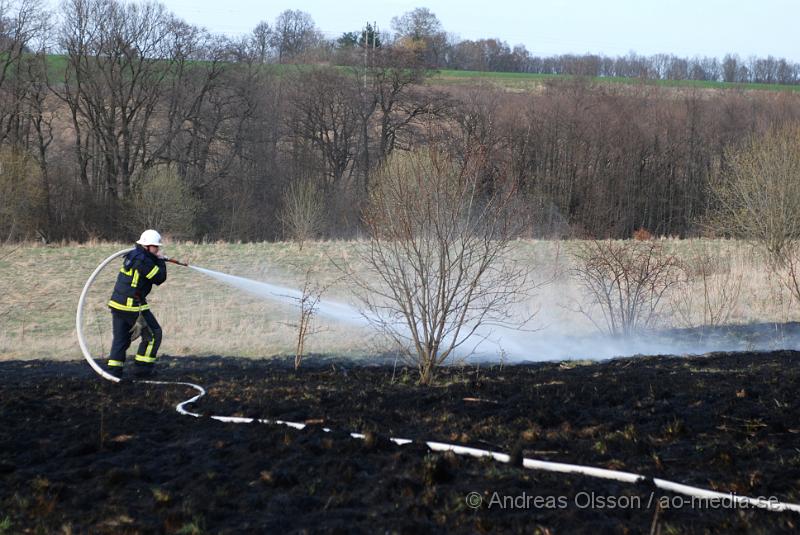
686	28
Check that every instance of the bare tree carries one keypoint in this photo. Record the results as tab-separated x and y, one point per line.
325	112
757	196
262	41
730	68
25	118
418	23
293	34
211	113
120	60
391	105
23	24
40	115
627	280
401	102
421	29
23	34
303	211
438	262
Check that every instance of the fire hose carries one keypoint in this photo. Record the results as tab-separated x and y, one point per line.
533	464
79	316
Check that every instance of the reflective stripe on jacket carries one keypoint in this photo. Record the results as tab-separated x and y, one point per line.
140	270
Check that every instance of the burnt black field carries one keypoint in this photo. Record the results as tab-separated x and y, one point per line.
81	455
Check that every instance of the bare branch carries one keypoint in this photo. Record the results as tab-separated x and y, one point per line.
438	267
627	281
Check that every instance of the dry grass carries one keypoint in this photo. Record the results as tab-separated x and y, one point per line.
40	286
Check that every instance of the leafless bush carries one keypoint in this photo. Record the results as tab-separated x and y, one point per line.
786	266
163	200
302	213
308	303
627	281
758	198
437	262
710	293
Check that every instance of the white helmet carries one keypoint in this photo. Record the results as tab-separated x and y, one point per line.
150	237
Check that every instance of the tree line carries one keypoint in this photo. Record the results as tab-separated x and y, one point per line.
142	120
295	37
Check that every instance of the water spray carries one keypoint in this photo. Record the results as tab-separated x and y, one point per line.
331	309
532	464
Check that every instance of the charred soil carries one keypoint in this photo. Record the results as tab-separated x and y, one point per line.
79	454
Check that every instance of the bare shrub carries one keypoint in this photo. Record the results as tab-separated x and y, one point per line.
302	214
437	263
758	199
711	290
758	196
163	200
786	266
308	303
627	281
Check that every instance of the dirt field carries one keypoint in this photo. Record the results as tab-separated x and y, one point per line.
80	455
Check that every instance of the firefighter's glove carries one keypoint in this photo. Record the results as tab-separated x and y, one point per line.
139	327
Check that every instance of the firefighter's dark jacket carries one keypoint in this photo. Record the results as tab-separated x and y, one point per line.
140	270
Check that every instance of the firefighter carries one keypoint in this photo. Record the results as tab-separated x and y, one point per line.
142	267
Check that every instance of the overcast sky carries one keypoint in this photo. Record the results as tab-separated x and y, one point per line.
613	27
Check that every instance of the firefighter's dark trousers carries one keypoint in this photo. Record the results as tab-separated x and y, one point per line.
123	322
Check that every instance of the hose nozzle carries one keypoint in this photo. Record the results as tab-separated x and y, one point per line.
174	261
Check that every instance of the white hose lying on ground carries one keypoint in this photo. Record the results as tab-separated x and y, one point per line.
625	477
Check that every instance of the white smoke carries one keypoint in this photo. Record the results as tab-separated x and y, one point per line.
557	332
